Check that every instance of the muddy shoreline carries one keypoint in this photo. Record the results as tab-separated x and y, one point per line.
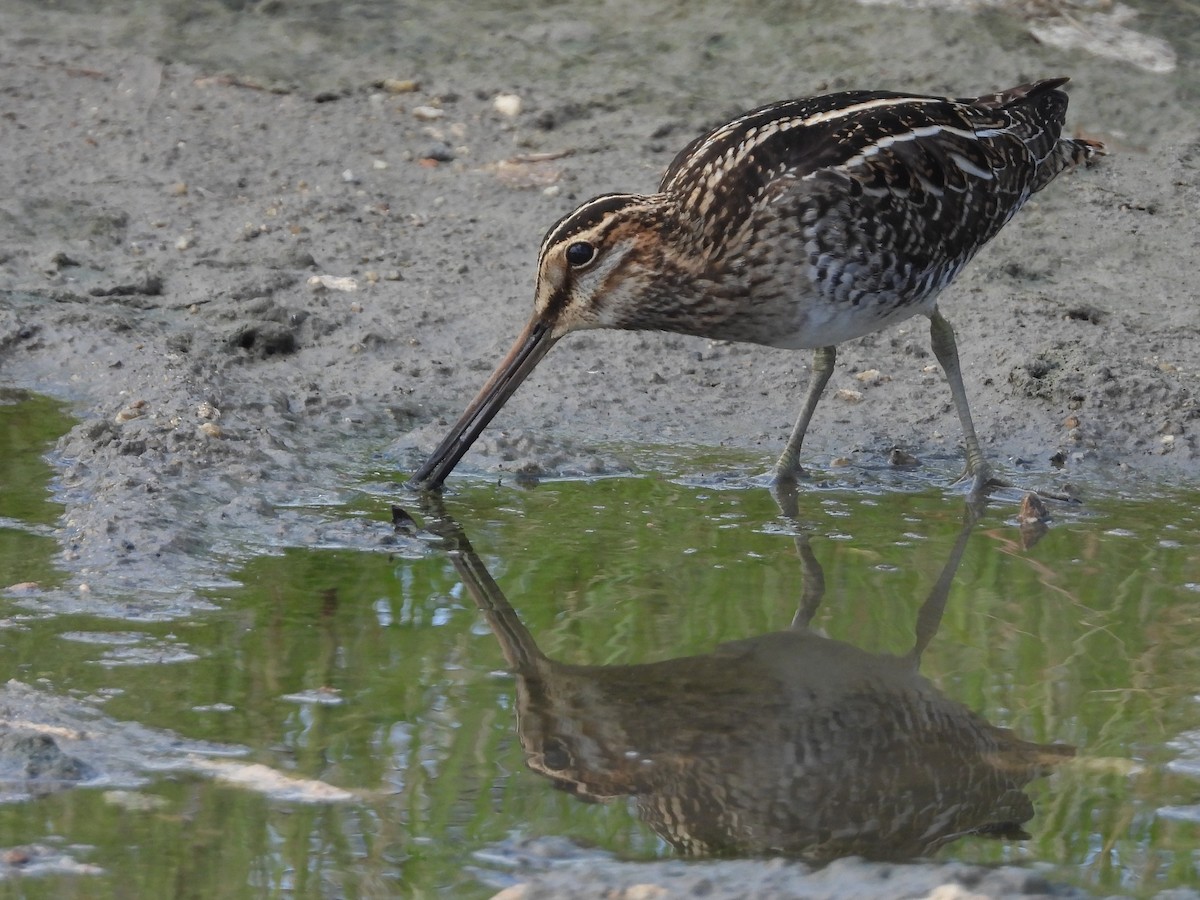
266	262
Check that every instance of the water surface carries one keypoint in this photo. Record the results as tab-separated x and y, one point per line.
378	674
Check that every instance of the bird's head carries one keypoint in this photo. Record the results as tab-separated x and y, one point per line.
605	265
598	264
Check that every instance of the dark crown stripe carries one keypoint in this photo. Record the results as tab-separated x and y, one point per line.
587	217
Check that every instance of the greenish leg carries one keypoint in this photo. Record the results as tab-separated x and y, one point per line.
941	336
788	466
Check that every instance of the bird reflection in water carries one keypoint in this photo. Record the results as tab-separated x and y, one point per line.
789	742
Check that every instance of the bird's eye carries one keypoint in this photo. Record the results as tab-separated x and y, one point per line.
580	254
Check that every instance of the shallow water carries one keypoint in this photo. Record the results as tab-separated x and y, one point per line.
379	675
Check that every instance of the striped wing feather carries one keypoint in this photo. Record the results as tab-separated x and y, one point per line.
884	193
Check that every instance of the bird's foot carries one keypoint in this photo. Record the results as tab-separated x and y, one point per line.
982	480
785	481
787	468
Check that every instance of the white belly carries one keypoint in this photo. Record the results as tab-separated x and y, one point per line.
822	324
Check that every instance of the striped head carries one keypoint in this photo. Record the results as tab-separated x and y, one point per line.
601	265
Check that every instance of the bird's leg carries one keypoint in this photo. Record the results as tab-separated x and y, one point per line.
788	466
941	336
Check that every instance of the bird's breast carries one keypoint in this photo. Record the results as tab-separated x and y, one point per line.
811	321
792	302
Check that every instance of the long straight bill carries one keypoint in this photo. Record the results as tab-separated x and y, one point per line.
532	344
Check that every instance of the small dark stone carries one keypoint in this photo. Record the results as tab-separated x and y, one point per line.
439	151
300	259
60	260
1085	312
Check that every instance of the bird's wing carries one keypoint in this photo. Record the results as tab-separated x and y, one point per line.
882	193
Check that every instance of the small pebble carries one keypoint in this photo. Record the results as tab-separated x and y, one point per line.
134	410
1032	510
428	113
211	429
849	395
645	892
16	856
332	283
300	258
400	85
184	242
507	105
872	376
440	151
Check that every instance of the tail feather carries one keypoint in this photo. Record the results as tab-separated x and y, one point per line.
1040	107
1083	150
1066	155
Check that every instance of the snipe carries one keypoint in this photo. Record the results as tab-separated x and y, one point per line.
800	225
